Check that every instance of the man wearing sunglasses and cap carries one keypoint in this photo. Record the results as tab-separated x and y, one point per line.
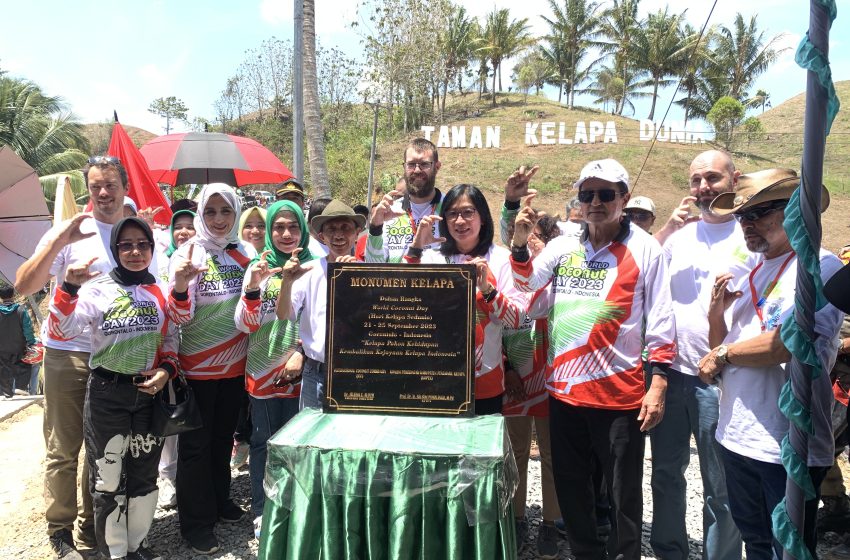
605	286
748	359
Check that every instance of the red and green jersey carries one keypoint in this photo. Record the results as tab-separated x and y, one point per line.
211	347
270	342
130	331
526	349
506	309
600	300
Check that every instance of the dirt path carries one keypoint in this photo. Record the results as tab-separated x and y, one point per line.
22	534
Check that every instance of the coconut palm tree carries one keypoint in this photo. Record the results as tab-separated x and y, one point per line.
760	99
659	49
39	128
611	86
619	25
573	29
459	42
312	113
744	54
504	38
696	67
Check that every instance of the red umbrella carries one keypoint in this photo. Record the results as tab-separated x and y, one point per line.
143	188
211	157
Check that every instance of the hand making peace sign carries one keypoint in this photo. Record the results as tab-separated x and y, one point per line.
260	271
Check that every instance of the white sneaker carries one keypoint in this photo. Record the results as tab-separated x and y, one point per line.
258	524
167	494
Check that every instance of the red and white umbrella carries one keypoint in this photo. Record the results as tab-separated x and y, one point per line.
211	157
23	212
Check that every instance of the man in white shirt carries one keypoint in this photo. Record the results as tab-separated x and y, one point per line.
749	359
394	221
66	371
698	248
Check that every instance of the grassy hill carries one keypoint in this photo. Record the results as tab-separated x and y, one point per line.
661	174
784	141
98	135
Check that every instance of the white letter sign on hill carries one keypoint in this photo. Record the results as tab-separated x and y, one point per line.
455	136
543	133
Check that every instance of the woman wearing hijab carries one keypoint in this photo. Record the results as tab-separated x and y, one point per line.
252	227
466	229
252	230
274	368
133	354
206	282
181	230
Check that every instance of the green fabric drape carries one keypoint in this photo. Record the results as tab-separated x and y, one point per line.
382	487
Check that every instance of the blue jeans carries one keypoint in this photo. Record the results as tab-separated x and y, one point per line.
312	384
755	488
267	416
691	407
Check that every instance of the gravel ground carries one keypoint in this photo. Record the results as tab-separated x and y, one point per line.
22	506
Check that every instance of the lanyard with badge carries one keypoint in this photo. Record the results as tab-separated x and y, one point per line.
413	223
758	302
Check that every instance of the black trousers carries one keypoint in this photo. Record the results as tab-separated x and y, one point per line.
14	374
583	440
123	460
203	463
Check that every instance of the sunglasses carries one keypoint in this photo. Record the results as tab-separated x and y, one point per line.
639	216
605	195
759	212
95	160
129	247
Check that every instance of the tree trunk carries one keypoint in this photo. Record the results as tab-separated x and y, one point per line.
560	90
495	68
312	114
654	99
445	94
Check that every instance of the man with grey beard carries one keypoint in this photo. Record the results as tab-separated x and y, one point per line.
697	249
748	358
394	220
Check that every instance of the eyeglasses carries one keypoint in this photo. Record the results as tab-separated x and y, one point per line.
639	216
95	160
605	195
467	214
423	165
129	247
759	212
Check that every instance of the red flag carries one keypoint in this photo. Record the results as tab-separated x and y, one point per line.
143	189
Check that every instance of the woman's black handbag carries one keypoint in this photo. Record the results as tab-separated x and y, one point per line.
175	409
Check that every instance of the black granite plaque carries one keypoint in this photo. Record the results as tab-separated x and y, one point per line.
400	339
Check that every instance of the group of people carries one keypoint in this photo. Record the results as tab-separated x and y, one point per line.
591	331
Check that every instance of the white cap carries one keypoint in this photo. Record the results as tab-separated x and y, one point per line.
641	203
606	169
131	203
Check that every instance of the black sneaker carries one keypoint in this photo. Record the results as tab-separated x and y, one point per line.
204	544
143	553
231	513
62	544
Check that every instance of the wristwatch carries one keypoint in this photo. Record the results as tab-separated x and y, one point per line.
722	354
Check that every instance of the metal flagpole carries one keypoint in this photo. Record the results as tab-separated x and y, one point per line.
798	404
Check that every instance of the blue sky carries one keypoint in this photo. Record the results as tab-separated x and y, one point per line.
120	55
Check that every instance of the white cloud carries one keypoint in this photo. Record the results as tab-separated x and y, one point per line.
332	16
